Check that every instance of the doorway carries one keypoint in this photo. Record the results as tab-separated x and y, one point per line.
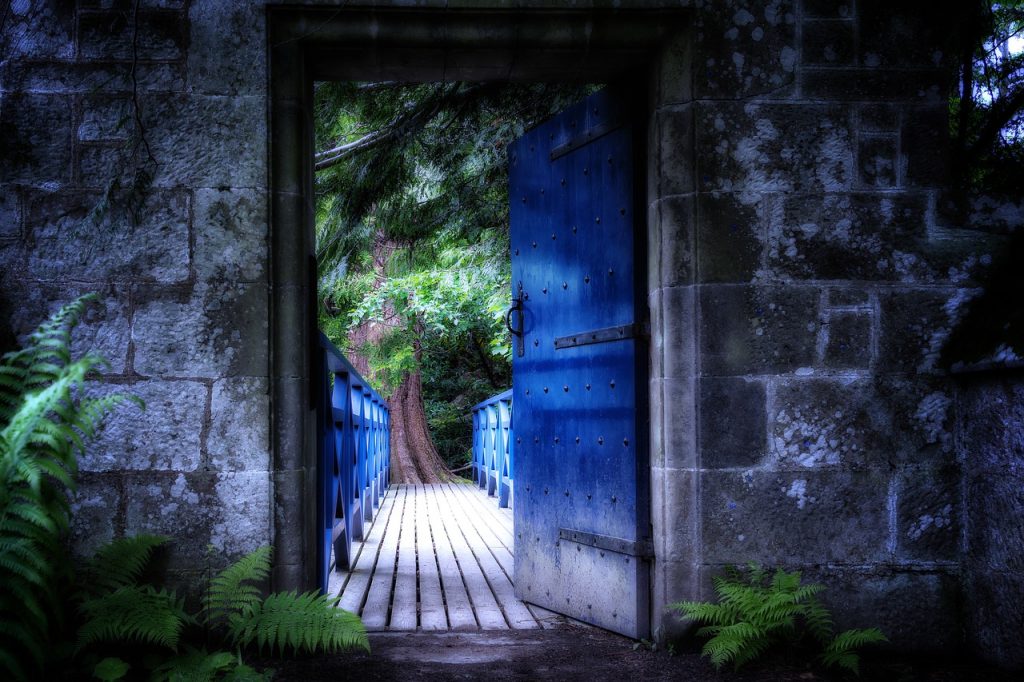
410	45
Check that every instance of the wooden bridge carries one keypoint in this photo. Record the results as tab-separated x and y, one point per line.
437	557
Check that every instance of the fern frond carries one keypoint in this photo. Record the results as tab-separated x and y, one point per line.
132	613
819	621
856	638
120	563
233	591
300	623
194	664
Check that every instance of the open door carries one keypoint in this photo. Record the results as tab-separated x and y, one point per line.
579	363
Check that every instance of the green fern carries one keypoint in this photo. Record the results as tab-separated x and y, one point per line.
233	591
759	610
840	652
43	425
120	563
134	613
299	623
194	664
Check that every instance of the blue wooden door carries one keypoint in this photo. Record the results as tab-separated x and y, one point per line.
581	506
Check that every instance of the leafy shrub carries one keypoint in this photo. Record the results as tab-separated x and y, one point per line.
759	610
44	424
118	609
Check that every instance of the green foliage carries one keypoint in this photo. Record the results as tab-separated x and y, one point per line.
110	668
299	623
234	591
412	233
134	613
45	421
120	611
759	610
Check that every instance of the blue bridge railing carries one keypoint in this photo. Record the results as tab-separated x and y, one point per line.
493	447
354	457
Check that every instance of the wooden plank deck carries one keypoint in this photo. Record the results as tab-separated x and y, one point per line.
437	558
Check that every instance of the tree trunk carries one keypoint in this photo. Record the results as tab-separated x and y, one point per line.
414	459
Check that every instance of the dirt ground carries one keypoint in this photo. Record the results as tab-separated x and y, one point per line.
587	654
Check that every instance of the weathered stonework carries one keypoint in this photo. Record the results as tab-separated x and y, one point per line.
802	281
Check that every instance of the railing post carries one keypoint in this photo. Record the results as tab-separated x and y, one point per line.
353	454
493	445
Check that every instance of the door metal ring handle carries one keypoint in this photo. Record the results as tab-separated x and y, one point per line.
517	306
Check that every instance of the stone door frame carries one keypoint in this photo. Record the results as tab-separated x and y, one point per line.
360	42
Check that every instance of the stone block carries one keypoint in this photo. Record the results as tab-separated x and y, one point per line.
992	429
923	418
828	9
106	118
880	117
928	511
197	140
38	31
730	237
847	341
757	329
201	331
674	81
915	323
239	436
733	429
230	236
102	330
995	617
673	333
10	213
827	42
671	257
674	167
679	414
830	423
227	48
917	610
112	35
83	237
91	77
747	49
212	518
785	519
774	147
872	84
100	165
289	517
94	513
163	437
242	525
35	139
925	144
181	506
849	297
860	236
877	160
898	36
995	511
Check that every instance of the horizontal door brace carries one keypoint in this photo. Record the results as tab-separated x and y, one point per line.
623	331
585	138
643	549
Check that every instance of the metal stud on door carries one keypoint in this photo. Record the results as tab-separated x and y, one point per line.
581	468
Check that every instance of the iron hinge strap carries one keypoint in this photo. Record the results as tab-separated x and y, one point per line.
643	549
604	335
585	138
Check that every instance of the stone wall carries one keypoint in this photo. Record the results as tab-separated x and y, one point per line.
991	440
803	277
175	244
